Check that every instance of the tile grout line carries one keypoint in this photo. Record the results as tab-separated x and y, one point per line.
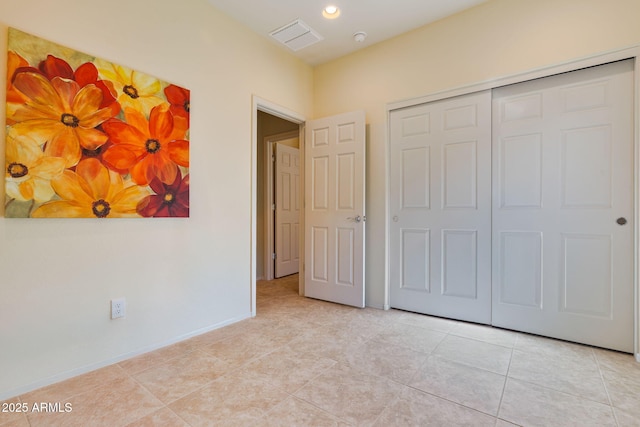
606	388
462	405
444	398
430	355
164	405
286	346
506	378
93	388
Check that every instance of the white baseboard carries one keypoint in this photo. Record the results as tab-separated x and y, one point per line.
94	366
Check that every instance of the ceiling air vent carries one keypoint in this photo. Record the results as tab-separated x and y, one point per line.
296	35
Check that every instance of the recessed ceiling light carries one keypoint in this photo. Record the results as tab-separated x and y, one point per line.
331	12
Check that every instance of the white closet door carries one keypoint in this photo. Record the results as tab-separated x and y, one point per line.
563	206
440	208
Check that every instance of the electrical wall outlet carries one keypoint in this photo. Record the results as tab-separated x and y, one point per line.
118	308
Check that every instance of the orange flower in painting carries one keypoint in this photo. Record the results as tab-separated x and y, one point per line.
14	97
92	191
61	114
148	149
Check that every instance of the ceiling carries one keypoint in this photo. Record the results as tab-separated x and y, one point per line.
380	19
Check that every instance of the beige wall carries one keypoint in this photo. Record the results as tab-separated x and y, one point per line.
495	39
179	276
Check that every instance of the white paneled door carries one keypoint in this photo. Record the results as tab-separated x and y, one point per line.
287	212
334	208
563	206
440	208
515	207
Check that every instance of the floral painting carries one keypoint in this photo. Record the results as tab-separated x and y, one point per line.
86	138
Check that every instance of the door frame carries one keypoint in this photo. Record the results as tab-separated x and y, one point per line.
632	53
269	214
260	104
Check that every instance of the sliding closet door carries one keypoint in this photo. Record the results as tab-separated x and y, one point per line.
563	206
440	208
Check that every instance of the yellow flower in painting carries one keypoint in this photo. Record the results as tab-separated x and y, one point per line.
92	191
28	172
135	89
60	114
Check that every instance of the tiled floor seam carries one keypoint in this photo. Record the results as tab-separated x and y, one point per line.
142	417
433	350
390	401
293	396
385	408
467	364
229	372
575	396
164	405
444	398
155	365
453	402
506	378
479	340
191	391
93	388
606	388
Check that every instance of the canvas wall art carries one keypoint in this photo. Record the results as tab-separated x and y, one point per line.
87	138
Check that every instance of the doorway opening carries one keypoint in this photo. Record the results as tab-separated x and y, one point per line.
273	125
332	244
278	197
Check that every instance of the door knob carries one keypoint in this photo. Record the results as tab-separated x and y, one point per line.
357	218
621	221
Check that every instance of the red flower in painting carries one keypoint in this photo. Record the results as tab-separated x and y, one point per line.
56	67
84	75
170	200
148	149
180	100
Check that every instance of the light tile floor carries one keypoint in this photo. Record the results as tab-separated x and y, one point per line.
303	362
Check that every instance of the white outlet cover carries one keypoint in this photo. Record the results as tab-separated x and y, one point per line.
118	308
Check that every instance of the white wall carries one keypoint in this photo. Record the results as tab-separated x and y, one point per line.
495	39
179	276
